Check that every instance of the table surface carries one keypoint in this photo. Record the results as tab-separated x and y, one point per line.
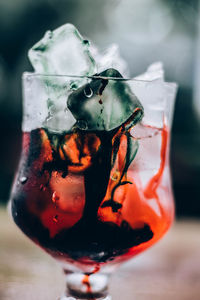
169	270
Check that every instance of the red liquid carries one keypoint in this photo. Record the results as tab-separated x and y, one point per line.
64	204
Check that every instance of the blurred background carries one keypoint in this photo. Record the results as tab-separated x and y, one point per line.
146	31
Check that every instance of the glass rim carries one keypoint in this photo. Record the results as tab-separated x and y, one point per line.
35	75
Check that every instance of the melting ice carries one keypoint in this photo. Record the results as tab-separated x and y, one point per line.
89	106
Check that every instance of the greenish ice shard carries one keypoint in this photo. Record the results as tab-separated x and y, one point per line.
105	103
62	52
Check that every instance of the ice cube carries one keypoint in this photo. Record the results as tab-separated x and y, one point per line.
156	96
110	58
47	110
105	104
62	52
153	72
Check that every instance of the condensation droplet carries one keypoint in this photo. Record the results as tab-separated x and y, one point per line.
23	179
86	42
55	218
82	125
55	197
88	92
73	86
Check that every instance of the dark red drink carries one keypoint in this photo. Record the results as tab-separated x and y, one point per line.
74	192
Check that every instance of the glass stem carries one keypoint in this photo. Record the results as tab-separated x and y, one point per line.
81	286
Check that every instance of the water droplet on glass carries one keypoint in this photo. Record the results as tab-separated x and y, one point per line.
88	92
82	125
55	218
73	86
23	179
55	197
86	42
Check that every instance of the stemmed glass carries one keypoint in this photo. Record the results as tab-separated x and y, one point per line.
94	198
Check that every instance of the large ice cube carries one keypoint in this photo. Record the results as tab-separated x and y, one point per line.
62	52
105	104
43	107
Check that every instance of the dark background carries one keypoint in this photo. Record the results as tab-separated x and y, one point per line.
146	31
